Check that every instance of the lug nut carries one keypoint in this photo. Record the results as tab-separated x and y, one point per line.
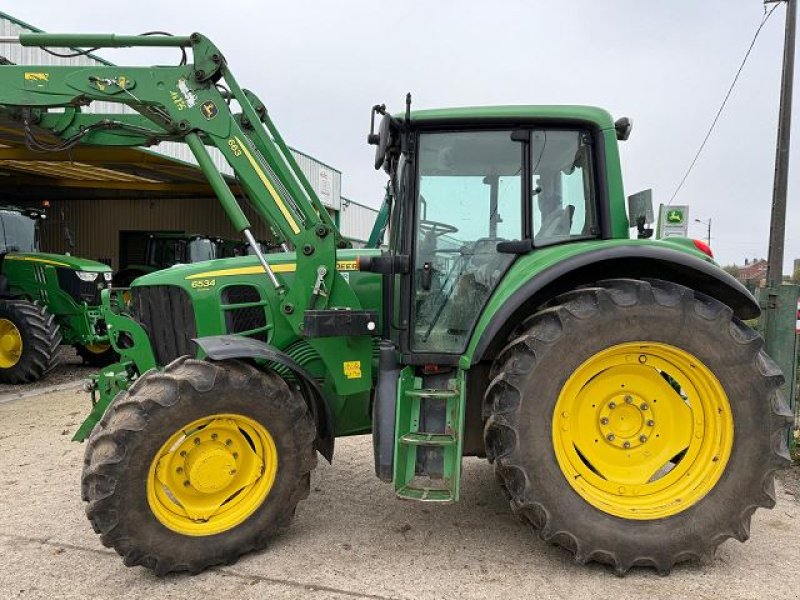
228	442
610	437
643	406
179	469
235	455
196	441
650	422
183	453
626	445
214	436
604	421
186	483
643	438
628	399
612	405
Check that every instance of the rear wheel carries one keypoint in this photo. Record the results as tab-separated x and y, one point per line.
29	341
637	423
97	355
197	465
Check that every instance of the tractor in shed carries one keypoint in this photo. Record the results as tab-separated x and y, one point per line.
46	300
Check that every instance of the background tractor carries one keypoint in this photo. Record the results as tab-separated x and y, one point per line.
46	300
147	252
630	414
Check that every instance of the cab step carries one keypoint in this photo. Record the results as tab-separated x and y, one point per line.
427	465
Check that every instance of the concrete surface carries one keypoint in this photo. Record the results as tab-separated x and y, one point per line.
351	538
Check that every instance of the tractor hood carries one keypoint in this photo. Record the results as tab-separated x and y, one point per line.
59	260
282	263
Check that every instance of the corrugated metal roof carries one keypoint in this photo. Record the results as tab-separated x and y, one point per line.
324	179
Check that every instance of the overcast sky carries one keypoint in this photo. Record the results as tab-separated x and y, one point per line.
320	66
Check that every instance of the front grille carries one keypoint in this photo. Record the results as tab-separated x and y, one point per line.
240	319
166	313
81	291
240	294
246	318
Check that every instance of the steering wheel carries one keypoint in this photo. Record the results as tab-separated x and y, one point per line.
436	228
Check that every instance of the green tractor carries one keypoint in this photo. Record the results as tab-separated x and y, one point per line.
630	414
46	300
164	249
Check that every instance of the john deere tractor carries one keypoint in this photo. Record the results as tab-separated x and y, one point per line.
46	300
630	415
163	250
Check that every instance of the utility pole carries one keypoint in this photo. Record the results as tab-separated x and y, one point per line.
777	230
708	236
778	300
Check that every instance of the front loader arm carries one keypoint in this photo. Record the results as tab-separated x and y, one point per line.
193	103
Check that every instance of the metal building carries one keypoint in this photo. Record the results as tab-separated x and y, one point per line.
101	194
356	221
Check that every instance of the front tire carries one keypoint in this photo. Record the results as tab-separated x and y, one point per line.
29	341
589	459
97	355
196	465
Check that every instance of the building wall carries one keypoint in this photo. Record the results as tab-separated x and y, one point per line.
356	220
95	224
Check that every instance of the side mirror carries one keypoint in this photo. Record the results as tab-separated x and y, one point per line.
640	213
623	126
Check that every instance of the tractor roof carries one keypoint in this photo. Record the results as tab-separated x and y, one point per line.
549	112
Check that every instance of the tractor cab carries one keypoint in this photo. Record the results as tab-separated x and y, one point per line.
19	230
469	198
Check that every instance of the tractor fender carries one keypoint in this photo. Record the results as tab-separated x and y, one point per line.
226	347
629	261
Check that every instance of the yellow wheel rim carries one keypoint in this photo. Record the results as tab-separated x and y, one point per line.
10	344
212	474
97	348
642	430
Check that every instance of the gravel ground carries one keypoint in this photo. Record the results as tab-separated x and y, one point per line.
70	368
350	539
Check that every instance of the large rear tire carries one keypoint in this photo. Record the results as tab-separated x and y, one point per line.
29	341
196	465
637	423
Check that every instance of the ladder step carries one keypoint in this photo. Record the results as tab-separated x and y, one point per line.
420	438
432	393
425	494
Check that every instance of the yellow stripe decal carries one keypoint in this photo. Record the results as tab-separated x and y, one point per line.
41	260
341	265
281	206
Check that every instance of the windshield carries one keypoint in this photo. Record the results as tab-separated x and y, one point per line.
19	232
201	249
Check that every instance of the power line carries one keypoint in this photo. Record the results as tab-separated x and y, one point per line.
767	15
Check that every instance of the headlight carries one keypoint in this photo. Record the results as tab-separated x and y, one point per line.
86	275
107	276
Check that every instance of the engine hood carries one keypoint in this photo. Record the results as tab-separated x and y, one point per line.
59	260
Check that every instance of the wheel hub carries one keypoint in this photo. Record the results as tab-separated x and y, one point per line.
626	421
642	430
212	474
211	467
10	344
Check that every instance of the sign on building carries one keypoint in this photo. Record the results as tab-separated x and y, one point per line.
673	221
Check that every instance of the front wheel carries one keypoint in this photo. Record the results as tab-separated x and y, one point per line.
637	423
29	341
197	465
97	355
